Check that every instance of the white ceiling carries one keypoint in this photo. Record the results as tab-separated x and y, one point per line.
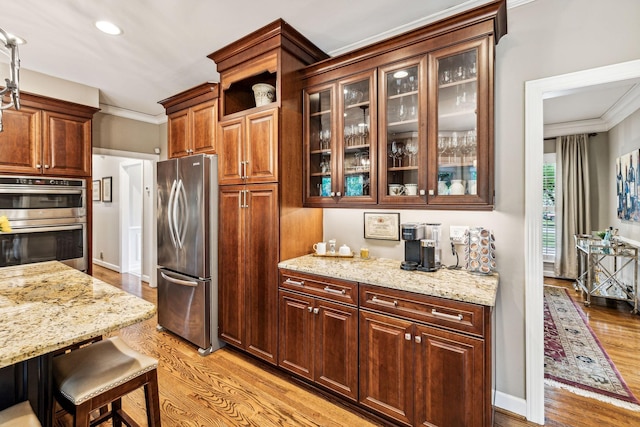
165	43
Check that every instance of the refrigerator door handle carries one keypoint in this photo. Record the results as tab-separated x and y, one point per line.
171	213
168	278
183	220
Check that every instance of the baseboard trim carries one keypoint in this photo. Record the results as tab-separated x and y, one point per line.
509	403
106	265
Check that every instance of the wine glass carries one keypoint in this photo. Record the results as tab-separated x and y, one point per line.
402	112
412	150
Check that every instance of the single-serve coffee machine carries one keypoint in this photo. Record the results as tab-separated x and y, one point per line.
421	247
412	233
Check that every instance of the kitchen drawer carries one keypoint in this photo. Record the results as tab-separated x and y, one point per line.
324	287
455	315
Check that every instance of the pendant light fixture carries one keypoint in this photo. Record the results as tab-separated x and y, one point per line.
12	84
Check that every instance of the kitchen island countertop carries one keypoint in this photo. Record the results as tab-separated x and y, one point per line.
48	306
458	285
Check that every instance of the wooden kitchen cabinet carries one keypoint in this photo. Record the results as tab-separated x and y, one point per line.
248	291
425	360
47	136
319	331
249	148
432	106
262	220
340	142
192	121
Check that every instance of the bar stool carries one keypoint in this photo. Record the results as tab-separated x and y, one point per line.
100	374
19	415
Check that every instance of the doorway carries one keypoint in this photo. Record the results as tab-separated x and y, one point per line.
535	92
124	235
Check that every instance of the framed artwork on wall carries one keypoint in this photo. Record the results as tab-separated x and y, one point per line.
106	189
628	186
97	190
382	226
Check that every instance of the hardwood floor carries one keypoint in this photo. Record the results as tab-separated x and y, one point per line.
228	388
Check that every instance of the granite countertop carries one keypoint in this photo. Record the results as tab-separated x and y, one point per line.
458	285
48	306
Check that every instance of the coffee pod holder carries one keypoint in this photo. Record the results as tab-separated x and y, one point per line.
479	251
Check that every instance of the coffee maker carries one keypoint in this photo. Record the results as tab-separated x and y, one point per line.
412	233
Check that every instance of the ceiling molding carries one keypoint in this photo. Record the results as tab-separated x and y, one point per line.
420	23
627	105
133	115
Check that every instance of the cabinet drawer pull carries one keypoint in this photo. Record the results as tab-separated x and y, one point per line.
335	291
436	313
393	303
294	282
407	337
316	310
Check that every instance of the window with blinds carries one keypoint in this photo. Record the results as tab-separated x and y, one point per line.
549	207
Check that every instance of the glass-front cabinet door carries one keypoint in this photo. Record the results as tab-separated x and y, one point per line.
402	147
357	139
320	161
459	125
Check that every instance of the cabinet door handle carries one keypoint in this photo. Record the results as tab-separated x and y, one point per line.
457	317
310	309
38	165
241	169
333	194
339	194
431	192
393	303
46	166
407	336
294	282
316	310
417	339
335	291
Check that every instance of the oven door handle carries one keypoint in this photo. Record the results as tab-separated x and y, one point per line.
66	190
168	278
29	230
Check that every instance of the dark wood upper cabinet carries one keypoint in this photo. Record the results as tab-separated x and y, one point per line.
192	121
427	110
47	136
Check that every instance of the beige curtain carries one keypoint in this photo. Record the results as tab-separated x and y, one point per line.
572	200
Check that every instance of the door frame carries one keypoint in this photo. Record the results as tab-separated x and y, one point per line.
535	93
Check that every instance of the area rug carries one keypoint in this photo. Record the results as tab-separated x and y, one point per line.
574	358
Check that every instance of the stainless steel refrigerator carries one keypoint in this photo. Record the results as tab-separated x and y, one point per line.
187	219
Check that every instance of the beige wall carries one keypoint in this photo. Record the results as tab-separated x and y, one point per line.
118	133
545	38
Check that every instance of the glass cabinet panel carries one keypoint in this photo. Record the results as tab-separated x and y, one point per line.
457	148
358	136
403	178
319	143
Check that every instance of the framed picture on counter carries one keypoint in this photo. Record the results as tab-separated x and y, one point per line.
382	226
97	190
106	189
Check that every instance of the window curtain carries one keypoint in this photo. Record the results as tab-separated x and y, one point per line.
572	201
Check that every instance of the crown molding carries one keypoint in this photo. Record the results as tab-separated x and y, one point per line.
627	105
468	5
133	115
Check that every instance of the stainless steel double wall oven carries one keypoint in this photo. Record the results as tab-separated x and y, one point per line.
48	217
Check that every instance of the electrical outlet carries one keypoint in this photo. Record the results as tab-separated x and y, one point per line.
457	232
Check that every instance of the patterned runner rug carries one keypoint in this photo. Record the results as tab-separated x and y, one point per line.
574	358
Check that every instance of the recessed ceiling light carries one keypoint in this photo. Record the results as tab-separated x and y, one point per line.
108	28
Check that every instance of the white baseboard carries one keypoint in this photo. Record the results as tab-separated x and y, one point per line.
106	265
510	403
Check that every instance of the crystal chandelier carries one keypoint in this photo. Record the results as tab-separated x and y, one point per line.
12	86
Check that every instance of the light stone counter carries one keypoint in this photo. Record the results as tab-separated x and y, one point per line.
48	306
457	285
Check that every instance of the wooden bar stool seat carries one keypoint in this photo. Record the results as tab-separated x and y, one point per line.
19	415
100	374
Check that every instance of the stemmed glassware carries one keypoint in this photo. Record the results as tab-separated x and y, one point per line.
412	149
397	152
325	139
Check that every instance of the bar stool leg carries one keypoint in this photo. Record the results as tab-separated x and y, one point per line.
151	396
